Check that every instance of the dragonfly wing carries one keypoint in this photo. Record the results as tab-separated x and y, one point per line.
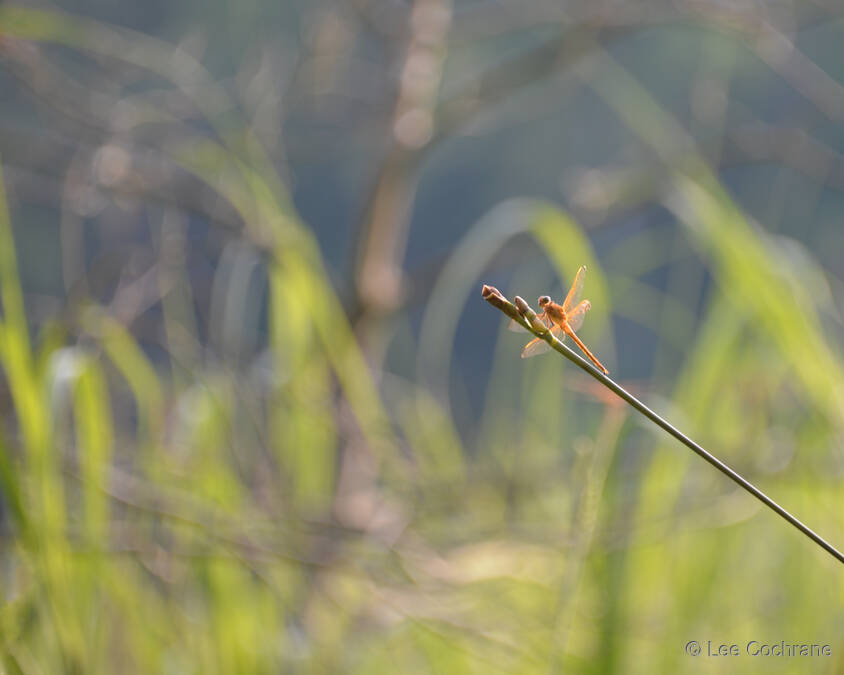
576	316
535	347
576	289
539	346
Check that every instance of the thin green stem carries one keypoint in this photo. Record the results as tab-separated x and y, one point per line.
526	317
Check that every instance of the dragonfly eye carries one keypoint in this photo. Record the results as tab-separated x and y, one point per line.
544	300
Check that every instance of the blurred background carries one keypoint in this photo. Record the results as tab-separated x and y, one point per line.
256	417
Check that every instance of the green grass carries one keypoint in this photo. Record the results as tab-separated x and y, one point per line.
310	515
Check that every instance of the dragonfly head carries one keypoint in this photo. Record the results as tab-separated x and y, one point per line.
544	300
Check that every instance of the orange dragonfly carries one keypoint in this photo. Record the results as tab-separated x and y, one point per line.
563	320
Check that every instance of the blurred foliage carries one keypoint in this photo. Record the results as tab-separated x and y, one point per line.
242	435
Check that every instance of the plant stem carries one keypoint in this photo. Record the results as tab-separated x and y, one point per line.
526	317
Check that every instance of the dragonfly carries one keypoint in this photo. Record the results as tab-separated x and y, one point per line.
562	320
